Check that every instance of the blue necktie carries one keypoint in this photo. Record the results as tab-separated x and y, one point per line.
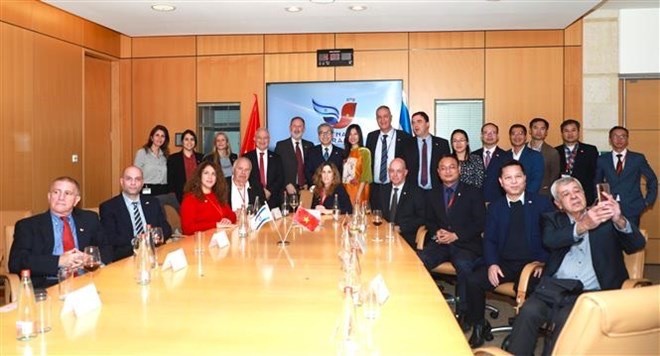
383	161
326	155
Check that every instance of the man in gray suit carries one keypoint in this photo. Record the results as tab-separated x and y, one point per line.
538	130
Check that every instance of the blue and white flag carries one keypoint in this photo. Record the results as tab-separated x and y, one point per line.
404	117
262	216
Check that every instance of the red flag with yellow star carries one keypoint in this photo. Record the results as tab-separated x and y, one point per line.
307	219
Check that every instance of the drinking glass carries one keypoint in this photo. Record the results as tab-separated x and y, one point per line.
293	201
92	260
158	239
377	220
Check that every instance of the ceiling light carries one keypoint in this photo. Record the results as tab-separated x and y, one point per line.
322	1
293	9
163	7
357	7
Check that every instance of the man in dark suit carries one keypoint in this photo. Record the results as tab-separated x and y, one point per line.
56	238
623	170
585	245
530	159
293	153
402	202
241	191
512	238
325	152
455	219
425	164
385	145
182	164
538	131
493	157
266	169
577	159
127	214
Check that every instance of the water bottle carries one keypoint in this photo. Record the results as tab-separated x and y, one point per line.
25	322
143	261
243	222
347	330
335	209
285	206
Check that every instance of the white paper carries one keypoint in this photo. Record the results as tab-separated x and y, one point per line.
82	301
175	260
277	213
378	286
219	239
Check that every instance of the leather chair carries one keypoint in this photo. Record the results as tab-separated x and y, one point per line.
173	219
10	281
305	199
616	322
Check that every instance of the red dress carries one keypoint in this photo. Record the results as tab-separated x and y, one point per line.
202	215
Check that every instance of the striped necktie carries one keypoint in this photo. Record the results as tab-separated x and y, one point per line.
139	225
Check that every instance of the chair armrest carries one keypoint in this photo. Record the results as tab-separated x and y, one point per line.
523	282
490	351
420	236
12	282
636	283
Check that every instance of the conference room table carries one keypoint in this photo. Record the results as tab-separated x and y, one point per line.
253	297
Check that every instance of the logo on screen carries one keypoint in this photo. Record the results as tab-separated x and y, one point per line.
332	116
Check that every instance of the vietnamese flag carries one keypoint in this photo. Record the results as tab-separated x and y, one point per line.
307	219
253	125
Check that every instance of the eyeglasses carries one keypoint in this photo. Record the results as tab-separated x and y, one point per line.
325	133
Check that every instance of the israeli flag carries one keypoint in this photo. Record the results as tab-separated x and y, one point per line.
262	216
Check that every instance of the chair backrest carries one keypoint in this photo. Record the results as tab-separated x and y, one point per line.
94	209
9	239
8	217
635	261
172	217
305	199
622	321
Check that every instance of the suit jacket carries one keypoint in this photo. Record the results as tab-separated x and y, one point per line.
274	177
285	149
491	187
118	227
315	158
498	219
627	185
254	191
401	146
34	242
584	167
439	147
176	172
410	211
607	244
550	167
532	161
466	217
343	200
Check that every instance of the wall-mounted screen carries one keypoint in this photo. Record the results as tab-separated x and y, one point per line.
336	103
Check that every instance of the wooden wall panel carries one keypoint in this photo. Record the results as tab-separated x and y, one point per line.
522	83
295	67
298	43
163	93
16	114
539	38
125	46
97	148
369	41
58	115
245	44
441	40
170	46
643	106
232	79
377	65
54	22
125	126
17	12
646	141
572	84
444	74
573	34
101	39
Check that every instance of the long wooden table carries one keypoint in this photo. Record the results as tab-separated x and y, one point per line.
252	297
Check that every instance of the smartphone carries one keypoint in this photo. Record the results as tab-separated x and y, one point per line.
602	188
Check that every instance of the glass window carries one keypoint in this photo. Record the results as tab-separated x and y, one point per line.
216	117
460	114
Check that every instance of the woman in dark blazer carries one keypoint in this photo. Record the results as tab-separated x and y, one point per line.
327	183
182	165
222	154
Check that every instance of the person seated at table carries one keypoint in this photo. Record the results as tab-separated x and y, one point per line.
205	200
241	191
127	214
56	238
327	185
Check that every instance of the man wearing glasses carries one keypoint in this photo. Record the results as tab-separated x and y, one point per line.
325	152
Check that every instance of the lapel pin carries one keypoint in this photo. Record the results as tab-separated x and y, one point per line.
81	229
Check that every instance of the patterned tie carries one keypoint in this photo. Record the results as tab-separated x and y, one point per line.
487	159
570	159
425	171
139	225
326	155
394	204
383	161
262	171
67	235
301	166
619	164
449	199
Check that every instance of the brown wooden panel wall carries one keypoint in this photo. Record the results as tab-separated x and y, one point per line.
125	107
444	40
170	46
101	39
539	38
573	34
377	65
572	84
372	41
230	44
295	67
522	83
298	43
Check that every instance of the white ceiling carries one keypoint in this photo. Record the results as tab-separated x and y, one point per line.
196	17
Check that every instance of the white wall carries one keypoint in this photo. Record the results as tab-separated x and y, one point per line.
639	41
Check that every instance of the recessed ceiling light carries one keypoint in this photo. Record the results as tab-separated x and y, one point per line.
163	7
357	7
293	9
322	1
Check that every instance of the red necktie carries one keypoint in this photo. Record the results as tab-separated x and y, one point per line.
425	171
67	235
619	164
301	165
262	171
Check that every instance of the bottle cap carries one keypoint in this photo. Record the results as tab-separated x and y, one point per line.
25	273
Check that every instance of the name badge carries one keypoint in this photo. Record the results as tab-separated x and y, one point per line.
146	191
176	260
219	239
